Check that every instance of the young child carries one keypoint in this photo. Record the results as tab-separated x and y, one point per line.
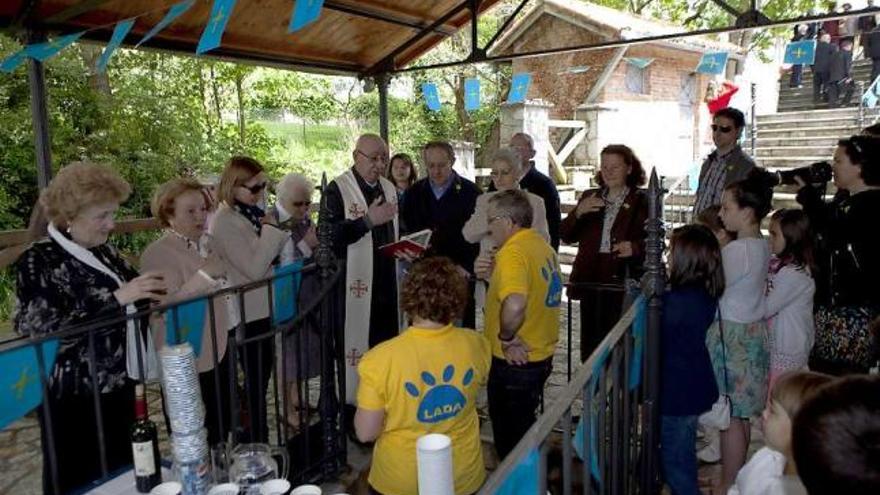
709	218
688	389
710	450
790	290
738	342
772	470
836	438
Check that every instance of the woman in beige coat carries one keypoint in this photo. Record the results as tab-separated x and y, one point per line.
506	173
248	241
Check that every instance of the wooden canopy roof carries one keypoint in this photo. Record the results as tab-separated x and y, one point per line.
350	37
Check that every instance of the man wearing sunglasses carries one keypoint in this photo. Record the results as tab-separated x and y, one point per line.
727	164
362	208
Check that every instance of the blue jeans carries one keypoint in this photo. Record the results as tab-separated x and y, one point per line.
678	453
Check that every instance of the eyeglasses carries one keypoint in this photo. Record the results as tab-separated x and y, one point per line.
381	159
255	189
300	204
723	128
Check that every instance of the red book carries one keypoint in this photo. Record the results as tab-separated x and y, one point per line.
416	243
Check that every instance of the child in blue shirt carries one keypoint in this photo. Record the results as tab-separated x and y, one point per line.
688	388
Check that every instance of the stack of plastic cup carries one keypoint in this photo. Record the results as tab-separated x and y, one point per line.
183	400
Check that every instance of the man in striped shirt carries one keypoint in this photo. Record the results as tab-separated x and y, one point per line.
727	164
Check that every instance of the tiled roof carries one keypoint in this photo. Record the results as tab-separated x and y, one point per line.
615	24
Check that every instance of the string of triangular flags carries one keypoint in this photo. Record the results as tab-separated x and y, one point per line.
519	89
304	13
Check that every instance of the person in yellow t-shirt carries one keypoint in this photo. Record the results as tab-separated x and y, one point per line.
522	317
424	381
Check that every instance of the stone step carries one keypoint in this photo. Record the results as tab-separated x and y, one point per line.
809	105
796	142
807	131
808	114
807	82
792	151
826	122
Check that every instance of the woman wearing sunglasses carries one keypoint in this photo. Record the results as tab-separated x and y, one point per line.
293	201
248	240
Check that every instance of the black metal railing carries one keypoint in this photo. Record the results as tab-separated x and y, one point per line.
615	395
312	458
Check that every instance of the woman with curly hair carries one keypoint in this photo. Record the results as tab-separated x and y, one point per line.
72	277
424	381
608	226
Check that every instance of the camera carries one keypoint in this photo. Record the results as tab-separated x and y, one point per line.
815	173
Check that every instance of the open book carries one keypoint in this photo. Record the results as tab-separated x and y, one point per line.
416	243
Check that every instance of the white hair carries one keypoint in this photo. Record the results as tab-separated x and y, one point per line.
510	157
293	182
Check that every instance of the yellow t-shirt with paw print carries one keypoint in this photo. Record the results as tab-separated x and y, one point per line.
526	265
426	381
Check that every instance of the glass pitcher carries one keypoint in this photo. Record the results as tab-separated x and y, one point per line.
250	464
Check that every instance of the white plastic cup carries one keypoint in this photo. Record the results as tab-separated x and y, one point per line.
434	456
306	490
167	488
277	487
224	489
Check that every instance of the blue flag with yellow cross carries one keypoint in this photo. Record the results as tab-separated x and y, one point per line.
20	387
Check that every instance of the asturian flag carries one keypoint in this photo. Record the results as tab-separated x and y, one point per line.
44	51
285	291
471	94
174	12
119	34
305	12
185	323
20	387
432	96
712	63
213	33
800	53
519	87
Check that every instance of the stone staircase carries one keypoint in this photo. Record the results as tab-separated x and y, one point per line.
793	99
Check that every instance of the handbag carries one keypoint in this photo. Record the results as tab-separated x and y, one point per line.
843	337
719	416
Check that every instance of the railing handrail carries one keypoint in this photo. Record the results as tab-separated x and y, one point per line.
102	322
542	428
10	238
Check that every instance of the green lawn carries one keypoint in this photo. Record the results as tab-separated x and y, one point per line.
316	136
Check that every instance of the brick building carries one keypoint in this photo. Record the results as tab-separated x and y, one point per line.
646	96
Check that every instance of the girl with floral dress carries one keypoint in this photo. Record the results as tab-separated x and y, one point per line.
738	341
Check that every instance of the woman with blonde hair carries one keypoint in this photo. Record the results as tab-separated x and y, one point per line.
72	277
248	241
184	257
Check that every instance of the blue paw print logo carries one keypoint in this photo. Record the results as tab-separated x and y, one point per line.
441	401
554	291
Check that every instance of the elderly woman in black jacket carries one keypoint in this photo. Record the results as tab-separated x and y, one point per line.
847	298
74	277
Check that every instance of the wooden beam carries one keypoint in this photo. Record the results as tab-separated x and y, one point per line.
360	11
75	11
10	238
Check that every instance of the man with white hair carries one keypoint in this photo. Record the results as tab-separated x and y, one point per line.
362	210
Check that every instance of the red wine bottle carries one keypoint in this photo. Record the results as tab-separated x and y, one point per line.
144	445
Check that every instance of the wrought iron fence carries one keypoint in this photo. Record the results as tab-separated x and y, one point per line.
320	317
618	391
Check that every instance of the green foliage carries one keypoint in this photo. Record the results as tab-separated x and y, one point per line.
304	95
